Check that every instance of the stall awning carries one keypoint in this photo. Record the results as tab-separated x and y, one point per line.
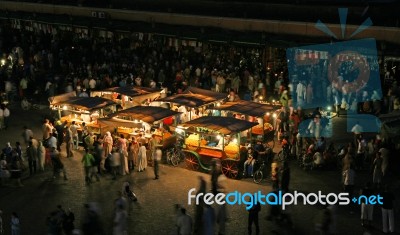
195	97
129	91
247	108
58	99
88	103
115	123
223	125
189	100
208	93
148	114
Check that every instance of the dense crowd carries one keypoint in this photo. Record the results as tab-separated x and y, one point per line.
37	64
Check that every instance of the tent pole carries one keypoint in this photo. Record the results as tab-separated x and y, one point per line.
223	142
59	113
262	128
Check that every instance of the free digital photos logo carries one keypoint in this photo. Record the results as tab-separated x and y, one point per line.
278	198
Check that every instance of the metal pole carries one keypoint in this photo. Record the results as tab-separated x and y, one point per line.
223	142
251	135
59	112
262	128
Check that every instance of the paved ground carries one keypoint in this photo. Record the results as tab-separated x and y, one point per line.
154	213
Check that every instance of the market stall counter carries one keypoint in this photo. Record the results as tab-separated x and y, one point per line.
144	121
82	109
264	114
208	138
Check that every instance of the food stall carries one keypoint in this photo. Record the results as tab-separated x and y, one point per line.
263	114
192	103
210	137
144	121
129	97
82	109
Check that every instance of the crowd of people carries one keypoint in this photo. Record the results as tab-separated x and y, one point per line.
38	64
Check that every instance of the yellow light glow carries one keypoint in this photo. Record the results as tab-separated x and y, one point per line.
64	107
3	62
274	115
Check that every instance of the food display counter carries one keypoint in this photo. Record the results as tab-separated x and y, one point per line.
82	109
264	114
211	137
144	121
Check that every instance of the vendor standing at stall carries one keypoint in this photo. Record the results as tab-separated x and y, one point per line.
223	141
74	128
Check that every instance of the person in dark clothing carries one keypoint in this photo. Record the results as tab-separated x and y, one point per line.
91	224
366	208
253	217
259	151
388	211
68	222
326	220
285	177
7	152
243	157
57	164
274	211
31	153
97	154
18	148
215	173
60	134
199	210
52	224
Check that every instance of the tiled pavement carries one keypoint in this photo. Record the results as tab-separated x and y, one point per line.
154	213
